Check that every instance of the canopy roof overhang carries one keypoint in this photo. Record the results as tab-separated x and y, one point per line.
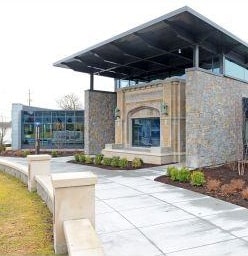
158	48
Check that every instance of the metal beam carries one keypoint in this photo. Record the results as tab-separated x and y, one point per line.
155	45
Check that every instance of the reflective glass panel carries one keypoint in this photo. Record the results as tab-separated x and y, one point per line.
146	132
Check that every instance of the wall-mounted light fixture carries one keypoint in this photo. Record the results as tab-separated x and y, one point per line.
179	51
117	113
164	108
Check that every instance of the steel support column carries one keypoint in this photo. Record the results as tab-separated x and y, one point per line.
91	82
222	63
196	56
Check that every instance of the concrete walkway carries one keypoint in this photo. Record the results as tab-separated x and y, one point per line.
136	216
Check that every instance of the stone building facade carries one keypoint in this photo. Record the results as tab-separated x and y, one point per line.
163	101
214	118
203	125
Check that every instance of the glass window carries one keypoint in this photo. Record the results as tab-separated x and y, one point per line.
212	64
235	70
146	132
58	129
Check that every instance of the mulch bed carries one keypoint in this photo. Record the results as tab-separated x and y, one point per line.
115	168
19	153
223	173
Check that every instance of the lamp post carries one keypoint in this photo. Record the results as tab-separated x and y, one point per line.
37	138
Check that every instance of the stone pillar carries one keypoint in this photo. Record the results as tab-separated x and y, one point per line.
37	165
74	198
99	120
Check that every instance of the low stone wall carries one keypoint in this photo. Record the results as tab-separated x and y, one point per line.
71	199
17	170
45	190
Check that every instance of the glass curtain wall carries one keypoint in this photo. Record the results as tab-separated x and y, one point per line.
58	129
235	70
146	132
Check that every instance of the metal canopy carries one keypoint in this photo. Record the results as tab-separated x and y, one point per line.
159	48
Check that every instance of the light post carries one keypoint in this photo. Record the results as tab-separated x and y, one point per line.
37	138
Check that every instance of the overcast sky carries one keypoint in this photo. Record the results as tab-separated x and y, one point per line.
36	33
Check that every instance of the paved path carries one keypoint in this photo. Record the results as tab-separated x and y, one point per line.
136	216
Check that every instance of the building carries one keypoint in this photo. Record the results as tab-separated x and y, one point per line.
181	92
58	129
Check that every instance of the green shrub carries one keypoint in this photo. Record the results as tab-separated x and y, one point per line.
89	159
169	170
183	174
98	159
137	162
174	174
54	153
76	157
2	148
25	153
197	178
123	163
115	161
106	161
82	158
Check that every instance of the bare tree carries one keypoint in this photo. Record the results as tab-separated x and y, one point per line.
3	129
69	102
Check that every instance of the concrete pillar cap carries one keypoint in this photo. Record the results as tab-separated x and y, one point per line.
38	157
73	179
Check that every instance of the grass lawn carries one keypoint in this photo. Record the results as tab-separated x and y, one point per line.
25	221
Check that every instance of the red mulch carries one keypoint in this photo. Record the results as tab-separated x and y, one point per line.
19	153
223	173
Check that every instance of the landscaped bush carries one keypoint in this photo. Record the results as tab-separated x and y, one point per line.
244	193
76	157
197	178
174	174
169	170
82	158
237	184
137	162
25	153
106	161
89	160
98	159
227	189
213	185
54	153
123	163
2	148
184	174
115	161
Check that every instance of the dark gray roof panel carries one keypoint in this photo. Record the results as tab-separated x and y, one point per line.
151	49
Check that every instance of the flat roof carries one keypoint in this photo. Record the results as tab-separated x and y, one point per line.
159	48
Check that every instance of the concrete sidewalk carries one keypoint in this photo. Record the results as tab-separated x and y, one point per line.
136	216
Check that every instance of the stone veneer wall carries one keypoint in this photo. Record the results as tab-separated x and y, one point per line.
99	120
214	118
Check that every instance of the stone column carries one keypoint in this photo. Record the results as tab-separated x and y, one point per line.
99	120
74	198
37	165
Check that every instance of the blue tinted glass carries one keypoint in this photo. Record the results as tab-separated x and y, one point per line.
146	132
235	70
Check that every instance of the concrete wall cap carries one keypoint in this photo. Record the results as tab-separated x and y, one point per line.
38	157
73	179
